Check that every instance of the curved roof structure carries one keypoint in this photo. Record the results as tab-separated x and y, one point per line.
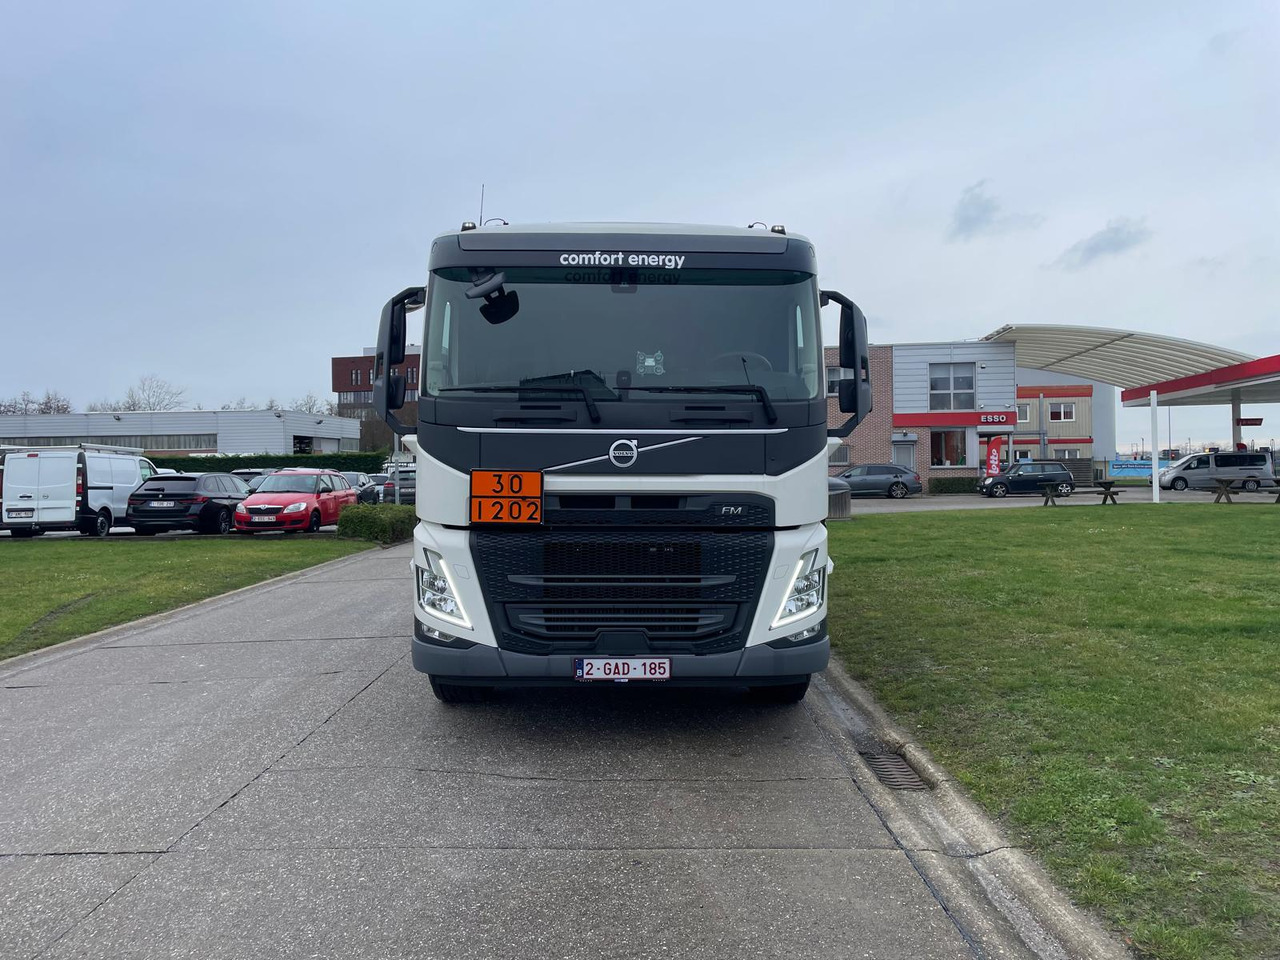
1124	358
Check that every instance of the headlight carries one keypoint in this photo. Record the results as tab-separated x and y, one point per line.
986	480
241	508
807	592
437	594
295	507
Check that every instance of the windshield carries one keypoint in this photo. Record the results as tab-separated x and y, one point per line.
604	331
289	483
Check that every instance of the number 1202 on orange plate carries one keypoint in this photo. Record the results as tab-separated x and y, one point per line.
506	496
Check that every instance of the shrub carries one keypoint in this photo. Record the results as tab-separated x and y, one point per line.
379	522
357	462
953	484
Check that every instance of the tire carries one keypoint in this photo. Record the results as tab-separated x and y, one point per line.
1251	486
1065	489
999	490
22	533
459	693
99	526
224	524
1179	483
314	525
897	490
779	694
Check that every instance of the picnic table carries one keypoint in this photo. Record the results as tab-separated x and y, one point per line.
1107	493
1050	493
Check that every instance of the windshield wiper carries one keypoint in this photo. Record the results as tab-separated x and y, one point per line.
592	410
758	391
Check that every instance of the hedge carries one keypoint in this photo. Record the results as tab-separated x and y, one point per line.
379	522
953	484
357	462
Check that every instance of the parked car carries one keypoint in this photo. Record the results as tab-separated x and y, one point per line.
379	481
1252	471
366	490
882	480
204	502
408	486
297	500
1026	476
256	482
83	487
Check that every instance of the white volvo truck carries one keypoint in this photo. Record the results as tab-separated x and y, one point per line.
621	456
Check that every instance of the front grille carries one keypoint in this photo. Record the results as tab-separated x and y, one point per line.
621	591
264	511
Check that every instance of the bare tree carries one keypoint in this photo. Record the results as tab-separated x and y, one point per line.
309	404
28	403
150	393
240	403
272	404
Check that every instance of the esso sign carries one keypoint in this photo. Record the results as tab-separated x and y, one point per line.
1010	417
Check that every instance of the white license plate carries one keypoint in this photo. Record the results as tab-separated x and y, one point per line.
262	519
622	669
162	503
21	514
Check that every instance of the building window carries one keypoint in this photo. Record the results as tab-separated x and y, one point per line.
411	375
410	395
833	381
951	386
840	456
947	448
1066	454
355	377
1022	454
1062	411
1024	413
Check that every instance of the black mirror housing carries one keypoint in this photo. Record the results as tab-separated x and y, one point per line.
388	387
855	355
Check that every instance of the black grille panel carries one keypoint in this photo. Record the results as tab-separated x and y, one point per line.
621	591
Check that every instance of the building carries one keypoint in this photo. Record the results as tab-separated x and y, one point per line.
937	407
187	432
353	381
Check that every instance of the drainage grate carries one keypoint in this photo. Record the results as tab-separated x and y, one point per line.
894	772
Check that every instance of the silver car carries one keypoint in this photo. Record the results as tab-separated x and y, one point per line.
1249	471
882	480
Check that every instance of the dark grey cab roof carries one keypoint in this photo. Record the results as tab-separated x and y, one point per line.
540	244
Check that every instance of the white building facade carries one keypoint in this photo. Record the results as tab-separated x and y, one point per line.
187	432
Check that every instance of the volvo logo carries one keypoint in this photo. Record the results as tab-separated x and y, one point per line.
623	453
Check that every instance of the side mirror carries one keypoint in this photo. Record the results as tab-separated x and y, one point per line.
855	354
389	388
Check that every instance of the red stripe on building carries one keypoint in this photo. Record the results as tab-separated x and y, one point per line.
1076	390
1027	441
996	418
1262	367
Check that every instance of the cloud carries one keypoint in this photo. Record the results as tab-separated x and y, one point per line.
1116	237
977	214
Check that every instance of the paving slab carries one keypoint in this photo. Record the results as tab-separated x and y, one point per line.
522	905
42	898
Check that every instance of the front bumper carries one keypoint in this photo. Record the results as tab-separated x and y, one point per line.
489	666
280	521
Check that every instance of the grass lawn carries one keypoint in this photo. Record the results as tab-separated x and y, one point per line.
53	590
1106	683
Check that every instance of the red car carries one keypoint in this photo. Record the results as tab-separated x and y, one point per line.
297	500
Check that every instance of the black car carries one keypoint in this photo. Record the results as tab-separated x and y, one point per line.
380	479
366	490
1026	476
203	502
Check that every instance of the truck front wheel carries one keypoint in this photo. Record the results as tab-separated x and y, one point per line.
780	693
459	692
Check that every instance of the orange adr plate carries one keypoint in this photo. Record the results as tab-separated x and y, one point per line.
506	496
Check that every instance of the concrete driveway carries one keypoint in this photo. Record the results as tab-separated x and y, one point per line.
264	775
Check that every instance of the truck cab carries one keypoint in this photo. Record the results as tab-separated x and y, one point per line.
621	452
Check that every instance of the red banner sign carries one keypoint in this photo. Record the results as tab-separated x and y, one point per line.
994	446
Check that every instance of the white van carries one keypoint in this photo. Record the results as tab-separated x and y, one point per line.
83	488
1249	470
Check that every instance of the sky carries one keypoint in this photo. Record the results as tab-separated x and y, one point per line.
225	194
